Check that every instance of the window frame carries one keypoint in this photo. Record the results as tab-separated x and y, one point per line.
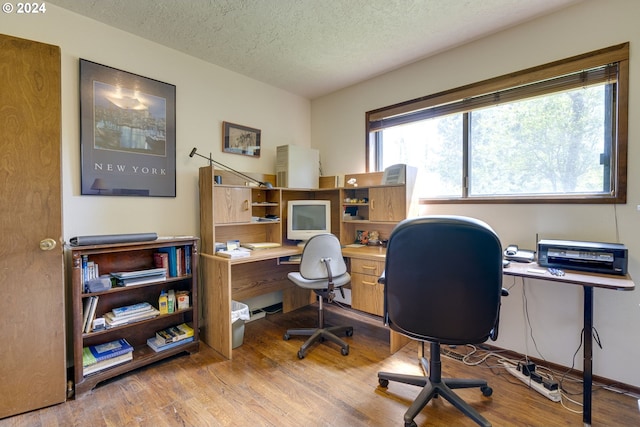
618	54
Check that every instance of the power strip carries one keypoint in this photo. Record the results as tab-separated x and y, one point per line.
553	395
256	315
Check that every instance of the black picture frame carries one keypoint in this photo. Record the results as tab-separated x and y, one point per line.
127	133
238	139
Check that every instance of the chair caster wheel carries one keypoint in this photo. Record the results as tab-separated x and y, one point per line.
383	383
486	391
344	351
286	337
349	332
410	424
300	355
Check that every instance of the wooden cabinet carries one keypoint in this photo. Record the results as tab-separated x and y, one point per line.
366	293
233	204
375	208
236	212
388	203
112	258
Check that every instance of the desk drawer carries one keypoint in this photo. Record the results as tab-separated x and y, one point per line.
367	294
369	267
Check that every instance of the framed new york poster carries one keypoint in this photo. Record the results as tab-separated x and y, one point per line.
127	133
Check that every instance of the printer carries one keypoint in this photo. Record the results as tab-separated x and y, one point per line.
594	257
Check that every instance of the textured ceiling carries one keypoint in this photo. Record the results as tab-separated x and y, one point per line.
312	47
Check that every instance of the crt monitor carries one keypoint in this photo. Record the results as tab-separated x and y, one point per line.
306	218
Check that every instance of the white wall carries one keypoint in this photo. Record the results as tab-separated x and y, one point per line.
338	123
206	95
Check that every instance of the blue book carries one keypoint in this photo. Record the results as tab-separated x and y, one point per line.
85	272
187	259
106	351
151	342
173	260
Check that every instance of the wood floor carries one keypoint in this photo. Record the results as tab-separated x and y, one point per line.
267	385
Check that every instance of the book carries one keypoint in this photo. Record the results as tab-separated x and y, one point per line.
107	363
171	251
161	260
85	273
113	321
187	259
140	280
165	337
124	275
155	346
179	262
130	309
174	333
234	253
92	314
188	330
97	353
261	245
86	307
148	310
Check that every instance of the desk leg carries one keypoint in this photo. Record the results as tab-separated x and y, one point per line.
587	374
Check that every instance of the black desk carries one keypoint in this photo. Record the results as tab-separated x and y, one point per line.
588	281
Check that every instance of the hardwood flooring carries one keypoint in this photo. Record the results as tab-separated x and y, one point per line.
267	385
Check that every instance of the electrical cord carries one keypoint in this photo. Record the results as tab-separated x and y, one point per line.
474	357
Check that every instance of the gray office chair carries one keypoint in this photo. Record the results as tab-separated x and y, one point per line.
322	269
443	284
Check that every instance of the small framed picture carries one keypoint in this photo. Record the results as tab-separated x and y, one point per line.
238	139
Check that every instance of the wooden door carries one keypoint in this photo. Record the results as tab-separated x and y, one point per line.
32	331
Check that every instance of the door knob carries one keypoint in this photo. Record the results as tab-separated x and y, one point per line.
47	244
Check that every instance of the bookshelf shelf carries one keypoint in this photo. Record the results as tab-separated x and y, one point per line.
145	285
142	356
114	329
131	257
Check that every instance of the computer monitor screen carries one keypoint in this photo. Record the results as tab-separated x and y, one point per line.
306	218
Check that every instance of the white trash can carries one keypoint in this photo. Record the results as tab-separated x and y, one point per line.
239	313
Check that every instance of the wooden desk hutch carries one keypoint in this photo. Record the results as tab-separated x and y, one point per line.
226	212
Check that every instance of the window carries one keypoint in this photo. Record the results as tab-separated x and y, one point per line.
554	133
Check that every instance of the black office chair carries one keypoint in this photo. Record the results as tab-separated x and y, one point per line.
322	269
443	283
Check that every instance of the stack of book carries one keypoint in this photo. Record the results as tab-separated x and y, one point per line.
140	277
176	260
234	253
130	313
171	337
96	358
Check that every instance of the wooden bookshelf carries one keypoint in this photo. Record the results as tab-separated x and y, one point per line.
130	257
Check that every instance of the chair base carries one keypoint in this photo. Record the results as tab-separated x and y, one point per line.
319	335
434	386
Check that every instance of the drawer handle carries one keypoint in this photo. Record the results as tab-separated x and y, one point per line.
364	282
368	267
